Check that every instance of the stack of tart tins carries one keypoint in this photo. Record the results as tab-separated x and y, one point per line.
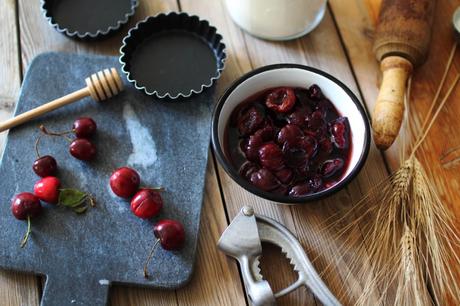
172	55
88	19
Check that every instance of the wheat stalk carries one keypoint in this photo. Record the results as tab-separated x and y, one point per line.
408	236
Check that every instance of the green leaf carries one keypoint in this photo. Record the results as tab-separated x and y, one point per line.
71	197
80	209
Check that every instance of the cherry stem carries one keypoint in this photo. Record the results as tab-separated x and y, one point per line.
36	145
159	189
91	200
152	251
26	236
62	134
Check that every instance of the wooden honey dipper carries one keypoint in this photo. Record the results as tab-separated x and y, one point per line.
100	86
401	42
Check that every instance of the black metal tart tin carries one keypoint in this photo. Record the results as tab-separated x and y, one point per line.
172	55
88	19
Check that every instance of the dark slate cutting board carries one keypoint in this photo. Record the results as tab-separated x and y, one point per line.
81	255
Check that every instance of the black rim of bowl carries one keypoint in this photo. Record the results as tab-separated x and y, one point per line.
198	26
87	35
281	199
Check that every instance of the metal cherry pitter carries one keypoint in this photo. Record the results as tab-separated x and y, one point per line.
242	241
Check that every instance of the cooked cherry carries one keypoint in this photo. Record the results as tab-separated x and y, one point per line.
299	116
267	131
47	189
25	205
146	203
264	179
299	190
300	144
331	167
316	183
290	134
325	145
315	120
84	127
281	99
284	175
82	149
315	92
247	169
251	147
271	156
250	120
45	166
339	130
124	182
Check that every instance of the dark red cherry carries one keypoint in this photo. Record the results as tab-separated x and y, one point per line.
315	120
84	127
146	203
267	131
264	180
315	92
251	147
339	130
299	190
284	175
45	166
316	183
250	120
25	205
331	167
326	145
247	169
290	134
82	149
170	233
299	116
271	156
47	189
124	182
281	100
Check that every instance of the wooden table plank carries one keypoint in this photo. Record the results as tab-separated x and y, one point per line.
357	34
36	37
321	49
15	288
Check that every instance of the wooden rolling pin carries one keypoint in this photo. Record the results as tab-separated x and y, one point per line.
401	44
100	86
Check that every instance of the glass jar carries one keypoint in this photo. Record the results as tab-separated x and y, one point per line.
277	19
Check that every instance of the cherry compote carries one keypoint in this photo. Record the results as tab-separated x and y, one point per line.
289	141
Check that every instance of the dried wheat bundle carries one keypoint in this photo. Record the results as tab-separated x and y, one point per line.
408	242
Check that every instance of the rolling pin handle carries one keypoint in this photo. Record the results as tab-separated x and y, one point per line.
389	108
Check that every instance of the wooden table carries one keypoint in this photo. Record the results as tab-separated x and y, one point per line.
341	45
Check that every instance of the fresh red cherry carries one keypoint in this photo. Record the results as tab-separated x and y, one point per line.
47	189
82	149
45	166
247	169
281	99
271	156
125	182
285	175
146	203
171	236
170	233
84	127
25	206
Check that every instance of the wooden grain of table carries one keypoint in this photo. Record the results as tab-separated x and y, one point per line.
341	46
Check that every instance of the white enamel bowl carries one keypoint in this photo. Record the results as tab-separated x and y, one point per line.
293	75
